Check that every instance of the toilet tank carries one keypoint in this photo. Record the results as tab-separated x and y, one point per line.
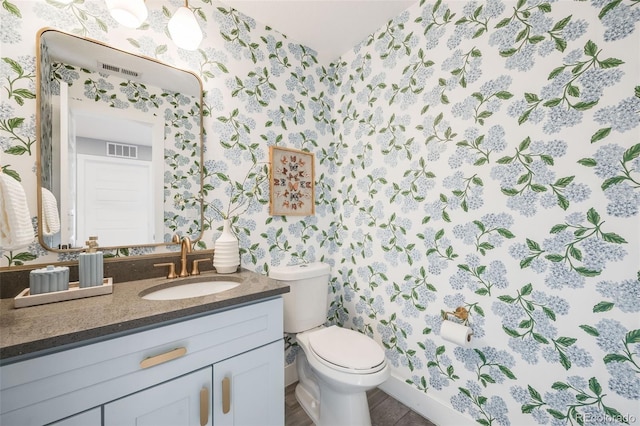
305	306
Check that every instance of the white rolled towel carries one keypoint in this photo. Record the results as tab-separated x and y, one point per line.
16	231
50	213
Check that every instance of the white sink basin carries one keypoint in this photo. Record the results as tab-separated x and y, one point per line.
194	289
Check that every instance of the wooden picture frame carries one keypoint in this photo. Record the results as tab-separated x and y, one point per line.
292	182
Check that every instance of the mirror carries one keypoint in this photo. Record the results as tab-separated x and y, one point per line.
120	142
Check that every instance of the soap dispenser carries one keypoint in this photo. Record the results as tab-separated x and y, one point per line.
91	267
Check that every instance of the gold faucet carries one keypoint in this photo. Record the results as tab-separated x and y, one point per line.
185	247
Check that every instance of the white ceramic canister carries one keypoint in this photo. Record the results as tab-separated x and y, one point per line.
49	279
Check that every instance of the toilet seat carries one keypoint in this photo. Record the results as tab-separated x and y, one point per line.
347	350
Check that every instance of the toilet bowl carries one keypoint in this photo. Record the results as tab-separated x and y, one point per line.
336	366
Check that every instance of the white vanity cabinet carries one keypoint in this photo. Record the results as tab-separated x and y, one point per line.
184	401
244	393
224	368
244	388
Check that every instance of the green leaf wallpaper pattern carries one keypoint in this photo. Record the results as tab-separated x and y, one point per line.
476	154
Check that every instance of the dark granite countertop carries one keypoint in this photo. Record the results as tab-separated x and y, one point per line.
34	330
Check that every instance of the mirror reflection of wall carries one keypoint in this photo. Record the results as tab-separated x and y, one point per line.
111	177
123	153
118	158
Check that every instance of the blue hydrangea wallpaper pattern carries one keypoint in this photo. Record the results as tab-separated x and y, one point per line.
476	154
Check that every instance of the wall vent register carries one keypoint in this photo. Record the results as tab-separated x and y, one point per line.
118	70
121	150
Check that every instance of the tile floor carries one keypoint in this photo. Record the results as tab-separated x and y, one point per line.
384	410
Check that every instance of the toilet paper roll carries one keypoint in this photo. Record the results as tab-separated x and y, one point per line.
456	333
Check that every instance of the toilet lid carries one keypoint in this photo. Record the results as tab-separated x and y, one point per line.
346	348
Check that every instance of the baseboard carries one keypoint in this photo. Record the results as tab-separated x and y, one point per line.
290	374
423	404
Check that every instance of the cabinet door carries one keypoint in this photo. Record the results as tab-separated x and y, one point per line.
183	401
249	388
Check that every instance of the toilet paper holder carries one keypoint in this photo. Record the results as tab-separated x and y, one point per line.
461	313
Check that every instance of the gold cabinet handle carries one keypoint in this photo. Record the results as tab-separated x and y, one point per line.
226	395
204	406
162	358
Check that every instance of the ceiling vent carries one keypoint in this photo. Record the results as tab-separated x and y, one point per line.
118	70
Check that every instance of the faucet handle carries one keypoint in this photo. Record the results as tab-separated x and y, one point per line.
195	270
172	269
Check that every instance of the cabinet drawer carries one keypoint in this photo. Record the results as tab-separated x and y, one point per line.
92	417
51	387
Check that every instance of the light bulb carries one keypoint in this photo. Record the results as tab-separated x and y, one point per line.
130	13
184	29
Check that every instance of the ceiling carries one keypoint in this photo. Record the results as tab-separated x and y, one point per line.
330	27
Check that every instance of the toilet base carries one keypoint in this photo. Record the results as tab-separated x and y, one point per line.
343	409
329	404
308	403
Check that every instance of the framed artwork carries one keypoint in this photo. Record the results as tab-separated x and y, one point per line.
292	182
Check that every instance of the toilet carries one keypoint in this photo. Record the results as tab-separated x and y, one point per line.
336	366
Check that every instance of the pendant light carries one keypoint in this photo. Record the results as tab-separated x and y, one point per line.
184	28
130	13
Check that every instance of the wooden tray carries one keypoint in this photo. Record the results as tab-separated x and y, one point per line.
25	299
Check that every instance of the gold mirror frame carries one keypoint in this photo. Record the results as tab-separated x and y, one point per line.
177	74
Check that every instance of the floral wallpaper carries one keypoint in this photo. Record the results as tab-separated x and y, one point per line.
488	155
475	154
